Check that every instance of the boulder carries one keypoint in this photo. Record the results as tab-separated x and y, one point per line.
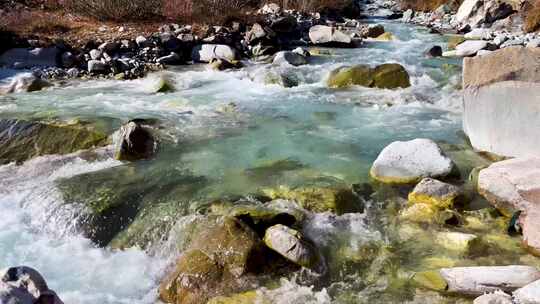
385	76
21	58
411	161
433	192
407	16
134	141
284	24
218	262
21	140
171	59
478	280
385	37
426	213
479	12
498	297
288	57
435	51
529	294
26	82
95	54
373	30
490	83
163	83
270	8
97	67
327	35
291	244
25	285
222	64
470	47
207	52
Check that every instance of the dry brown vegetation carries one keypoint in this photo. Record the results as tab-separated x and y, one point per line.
428	5
532	16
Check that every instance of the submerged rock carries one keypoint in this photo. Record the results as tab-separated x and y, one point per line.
479	280
248	297
430	279
385	76
319	199
405	162
384	37
291	244
163	84
26	82
433	192
21	140
25	285
134	141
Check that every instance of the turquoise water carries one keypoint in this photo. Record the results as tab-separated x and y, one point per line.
226	129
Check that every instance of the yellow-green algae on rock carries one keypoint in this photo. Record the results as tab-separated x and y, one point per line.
248	297
384	76
430	279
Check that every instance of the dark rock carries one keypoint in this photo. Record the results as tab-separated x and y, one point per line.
24	285
284	24
171	59
134	141
26	82
97	67
435	51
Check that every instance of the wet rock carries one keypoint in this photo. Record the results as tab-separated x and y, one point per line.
476	12
410	161
222	64
301	51
426	213
248	297
430	279
218	262
476	281
21	140
385	76
171	59
26	82
259	33
435	51
163	84
498	297
373	31
95	54
408	15
478	34
287	57
68	60
282	78
489	83
21	58
454	41
470	47
433	192
384	37
207	52
133	142
319	199
270	8
291	244
25	285
327	35
466	244
529	294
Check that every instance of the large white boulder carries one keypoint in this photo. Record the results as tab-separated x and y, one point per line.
481	279
410	161
529	294
470	47
328	35
468	9
207	52
501	111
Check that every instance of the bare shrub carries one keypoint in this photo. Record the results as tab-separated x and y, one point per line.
532	17
116	10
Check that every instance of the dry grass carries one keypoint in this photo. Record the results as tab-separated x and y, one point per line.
314	5
428	5
532	17
115	10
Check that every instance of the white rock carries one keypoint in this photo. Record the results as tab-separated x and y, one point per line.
96	66
270	8
529	294
534	43
322	34
287	57
498	297
207	52
470	47
410	161
479	34
467	9
452	53
95	54
407	15
483	52
482	279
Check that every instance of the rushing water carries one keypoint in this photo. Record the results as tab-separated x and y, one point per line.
218	125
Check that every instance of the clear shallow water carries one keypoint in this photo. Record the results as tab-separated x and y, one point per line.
218	125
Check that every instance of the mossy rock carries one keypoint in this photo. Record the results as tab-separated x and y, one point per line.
385	37
163	84
385	76
21	140
270	170
426	213
248	297
286	80
319	199
436	193
430	279
454	40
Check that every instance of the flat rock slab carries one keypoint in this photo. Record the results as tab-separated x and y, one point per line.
479	280
404	162
470	47
497	297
